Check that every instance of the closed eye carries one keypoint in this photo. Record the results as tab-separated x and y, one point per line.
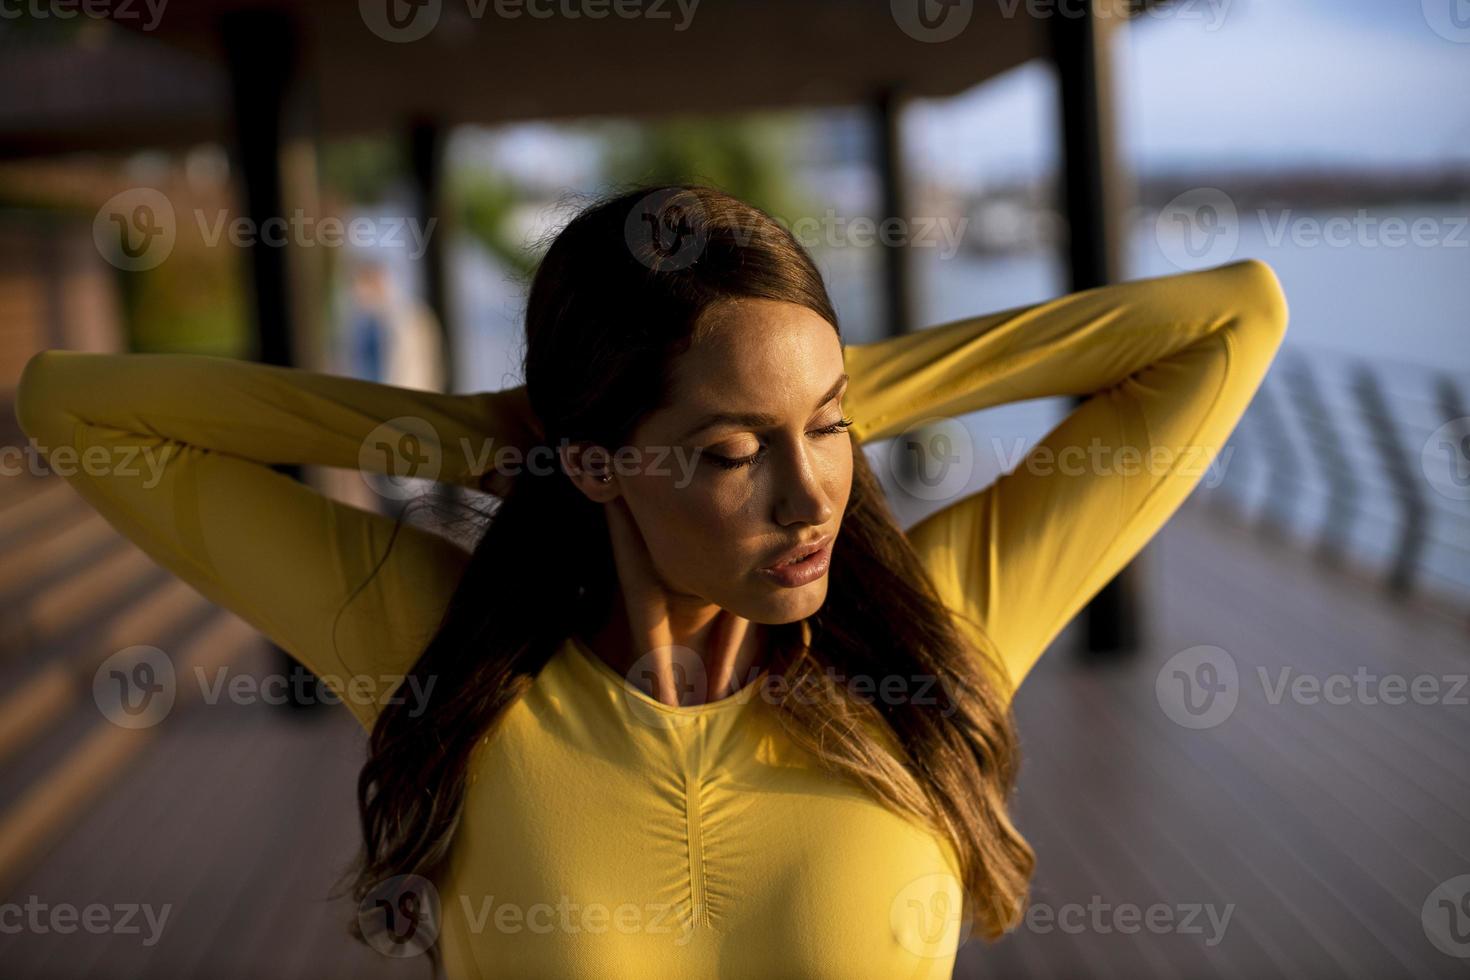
735	463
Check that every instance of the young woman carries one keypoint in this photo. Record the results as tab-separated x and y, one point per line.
646	743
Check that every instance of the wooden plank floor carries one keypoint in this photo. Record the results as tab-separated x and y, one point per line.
1320	829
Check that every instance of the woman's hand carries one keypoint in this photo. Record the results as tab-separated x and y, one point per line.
517	427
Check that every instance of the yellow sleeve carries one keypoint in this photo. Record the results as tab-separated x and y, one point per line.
174	450
1167	366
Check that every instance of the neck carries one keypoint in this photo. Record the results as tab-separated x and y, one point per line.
681	652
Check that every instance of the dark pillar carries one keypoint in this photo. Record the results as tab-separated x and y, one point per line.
893	178
426	139
1112	620
262	53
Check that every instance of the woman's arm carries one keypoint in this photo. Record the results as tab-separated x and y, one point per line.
1168	364
174	450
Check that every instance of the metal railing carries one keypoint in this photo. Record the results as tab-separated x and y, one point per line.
1365	461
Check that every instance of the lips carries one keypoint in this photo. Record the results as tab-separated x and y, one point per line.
801	565
793	555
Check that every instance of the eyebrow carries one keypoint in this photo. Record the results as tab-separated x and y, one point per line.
755	419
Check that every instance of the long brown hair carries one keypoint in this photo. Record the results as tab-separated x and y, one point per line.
612	304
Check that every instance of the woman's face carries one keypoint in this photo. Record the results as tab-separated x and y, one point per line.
756	461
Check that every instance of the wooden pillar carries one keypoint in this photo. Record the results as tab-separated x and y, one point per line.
1091	191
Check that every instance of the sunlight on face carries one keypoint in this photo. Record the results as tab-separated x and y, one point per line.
776	477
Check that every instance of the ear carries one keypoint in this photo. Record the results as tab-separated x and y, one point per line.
586	464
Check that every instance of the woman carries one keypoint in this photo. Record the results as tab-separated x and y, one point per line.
643	745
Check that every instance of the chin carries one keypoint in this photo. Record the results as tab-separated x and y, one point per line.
790	605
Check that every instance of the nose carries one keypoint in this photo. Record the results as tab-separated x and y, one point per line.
801	497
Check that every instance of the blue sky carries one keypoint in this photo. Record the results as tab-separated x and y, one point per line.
1249	82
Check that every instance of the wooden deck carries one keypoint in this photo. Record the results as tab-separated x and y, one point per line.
1321	828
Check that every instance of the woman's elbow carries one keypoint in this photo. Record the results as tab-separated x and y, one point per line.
1261	298
36	408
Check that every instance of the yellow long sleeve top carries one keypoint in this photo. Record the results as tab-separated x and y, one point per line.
605	833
